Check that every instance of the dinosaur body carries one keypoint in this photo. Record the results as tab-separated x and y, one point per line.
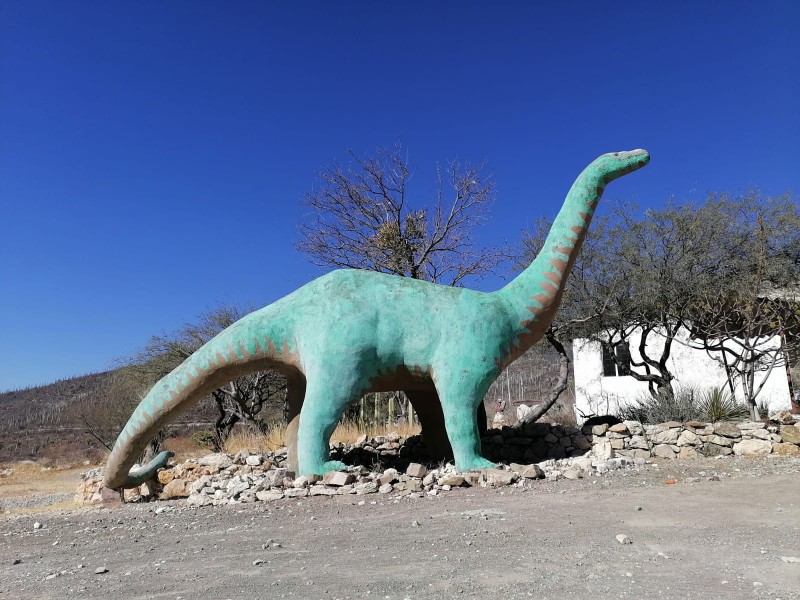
352	332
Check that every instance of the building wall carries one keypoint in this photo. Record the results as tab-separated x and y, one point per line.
596	394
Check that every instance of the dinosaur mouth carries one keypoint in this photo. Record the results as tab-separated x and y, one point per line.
633	154
630	161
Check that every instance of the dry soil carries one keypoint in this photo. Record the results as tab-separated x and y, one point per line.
725	529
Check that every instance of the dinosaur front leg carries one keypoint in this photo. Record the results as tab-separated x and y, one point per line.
325	400
460	397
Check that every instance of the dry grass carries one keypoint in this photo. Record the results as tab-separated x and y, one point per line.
184	447
275	437
256	442
349	432
560	415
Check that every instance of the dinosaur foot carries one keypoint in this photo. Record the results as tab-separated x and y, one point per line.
474	464
333	465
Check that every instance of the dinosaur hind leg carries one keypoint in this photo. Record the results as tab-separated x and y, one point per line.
429	411
295	393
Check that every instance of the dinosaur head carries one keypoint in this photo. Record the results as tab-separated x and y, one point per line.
617	164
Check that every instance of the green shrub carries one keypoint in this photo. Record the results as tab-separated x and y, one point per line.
204	439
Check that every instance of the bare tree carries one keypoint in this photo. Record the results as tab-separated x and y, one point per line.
362	218
749	319
686	274
243	399
580	304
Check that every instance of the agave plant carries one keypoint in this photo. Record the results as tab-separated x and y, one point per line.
682	406
718	404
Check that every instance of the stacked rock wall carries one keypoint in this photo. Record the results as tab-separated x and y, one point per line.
392	465
693	438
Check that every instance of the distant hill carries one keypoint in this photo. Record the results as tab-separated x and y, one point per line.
47	421
48	404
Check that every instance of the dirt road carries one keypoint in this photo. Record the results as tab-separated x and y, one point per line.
726	529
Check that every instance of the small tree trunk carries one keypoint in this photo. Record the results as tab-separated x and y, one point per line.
560	385
748	383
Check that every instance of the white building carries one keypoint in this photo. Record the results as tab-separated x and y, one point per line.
601	389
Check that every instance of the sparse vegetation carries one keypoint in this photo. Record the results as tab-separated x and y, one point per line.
204	438
48	422
687	404
718	404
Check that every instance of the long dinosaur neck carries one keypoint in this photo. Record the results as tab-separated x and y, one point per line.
533	296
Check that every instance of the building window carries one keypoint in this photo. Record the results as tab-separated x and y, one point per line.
619	367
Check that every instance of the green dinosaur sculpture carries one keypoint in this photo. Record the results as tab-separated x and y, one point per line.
351	332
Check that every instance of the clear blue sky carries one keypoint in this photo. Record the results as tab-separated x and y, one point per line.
152	154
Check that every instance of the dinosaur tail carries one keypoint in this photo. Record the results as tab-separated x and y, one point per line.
240	349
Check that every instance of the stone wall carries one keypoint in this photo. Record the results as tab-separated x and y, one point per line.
395	465
693	438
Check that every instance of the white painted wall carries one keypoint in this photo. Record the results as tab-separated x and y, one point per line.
596	394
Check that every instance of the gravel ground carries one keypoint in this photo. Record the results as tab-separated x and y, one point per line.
721	529
37	501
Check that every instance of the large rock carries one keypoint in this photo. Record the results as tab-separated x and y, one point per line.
198	500
752	448
416	470
451	480
634	427
727	429
664	451
338	478
221	461
603	450
785	417
527	471
498	477
719	440
710	449
786	449
758	434
666	436
750	425
688	438
253	460
790	434
176	488
269	495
